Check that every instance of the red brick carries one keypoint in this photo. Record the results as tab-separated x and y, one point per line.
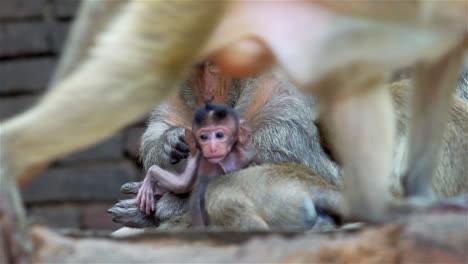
96	217
57	216
107	150
97	182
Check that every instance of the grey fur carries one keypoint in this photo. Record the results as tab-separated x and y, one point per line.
127	213
462	88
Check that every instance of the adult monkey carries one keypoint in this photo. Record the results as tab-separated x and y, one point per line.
283	130
436	31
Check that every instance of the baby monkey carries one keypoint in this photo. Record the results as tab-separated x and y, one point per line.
219	144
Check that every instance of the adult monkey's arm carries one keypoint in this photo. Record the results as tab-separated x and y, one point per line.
92	18
136	63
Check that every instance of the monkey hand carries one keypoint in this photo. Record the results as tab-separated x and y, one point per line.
130	188
175	147
127	213
145	197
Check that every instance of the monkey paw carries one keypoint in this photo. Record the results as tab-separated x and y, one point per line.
175	147
131	188
127	213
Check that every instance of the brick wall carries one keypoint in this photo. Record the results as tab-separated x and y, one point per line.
76	190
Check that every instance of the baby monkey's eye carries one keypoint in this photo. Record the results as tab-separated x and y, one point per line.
204	137
219	135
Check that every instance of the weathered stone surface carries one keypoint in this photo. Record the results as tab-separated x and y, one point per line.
56	216
25	75
21	8
99	182
66	8
23	39
107	150
10	106
425	238
96	217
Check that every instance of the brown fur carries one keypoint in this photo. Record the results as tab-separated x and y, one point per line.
210	84
275	111
234	200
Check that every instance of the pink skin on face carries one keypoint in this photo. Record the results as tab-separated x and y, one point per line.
215	142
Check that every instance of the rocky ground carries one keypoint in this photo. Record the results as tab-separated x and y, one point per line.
432	237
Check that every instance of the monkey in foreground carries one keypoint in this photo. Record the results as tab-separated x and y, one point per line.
451	175
350	67
451	169
219	144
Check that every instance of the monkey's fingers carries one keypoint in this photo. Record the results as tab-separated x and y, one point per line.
177	156
148	201
182	138
182	147
138	199
153	204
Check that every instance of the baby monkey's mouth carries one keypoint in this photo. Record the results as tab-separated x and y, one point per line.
215	159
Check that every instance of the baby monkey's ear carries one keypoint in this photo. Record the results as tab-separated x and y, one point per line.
244	133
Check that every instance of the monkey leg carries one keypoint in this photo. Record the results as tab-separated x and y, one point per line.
178	222
15	246
364	130
126	76
93	17
232	209
432	98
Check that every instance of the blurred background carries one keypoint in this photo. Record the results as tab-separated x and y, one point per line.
77	190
